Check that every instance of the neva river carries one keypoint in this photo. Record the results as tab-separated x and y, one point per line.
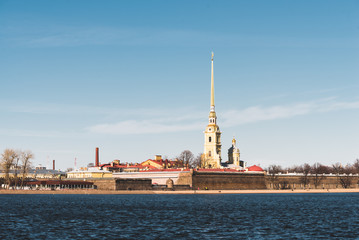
232	216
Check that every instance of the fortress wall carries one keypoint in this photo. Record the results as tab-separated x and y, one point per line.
184	178
134	184
228	181
297	182
159	178
123	184
104	184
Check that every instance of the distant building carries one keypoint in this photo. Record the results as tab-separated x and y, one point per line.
159	176
150	164
116	166
106	170
159	163
93	172
58	184
38	173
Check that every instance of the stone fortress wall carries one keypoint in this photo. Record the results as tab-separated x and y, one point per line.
228	181
327	181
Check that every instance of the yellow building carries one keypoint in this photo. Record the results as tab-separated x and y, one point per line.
212	136
153	164
89	173
159	163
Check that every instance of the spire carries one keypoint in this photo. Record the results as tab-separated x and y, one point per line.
212	113
212	85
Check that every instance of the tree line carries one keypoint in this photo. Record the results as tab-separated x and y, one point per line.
186	159
316	173
20	162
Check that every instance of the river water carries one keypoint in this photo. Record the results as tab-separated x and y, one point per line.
222	216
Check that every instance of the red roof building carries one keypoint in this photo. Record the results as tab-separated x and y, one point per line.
160	163
255	168
116	167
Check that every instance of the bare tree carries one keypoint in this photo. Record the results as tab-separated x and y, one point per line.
348	176
196	162
26	157
7	161
337	168
343	174
356	166
293	169
326	169
318	170
273	171
305	170
186	157
16	166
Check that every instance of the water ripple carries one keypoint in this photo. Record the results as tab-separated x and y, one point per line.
252	216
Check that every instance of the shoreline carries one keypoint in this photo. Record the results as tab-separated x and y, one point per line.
124	192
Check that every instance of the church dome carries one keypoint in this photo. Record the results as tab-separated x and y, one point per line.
255	168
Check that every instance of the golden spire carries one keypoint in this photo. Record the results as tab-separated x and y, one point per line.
212	85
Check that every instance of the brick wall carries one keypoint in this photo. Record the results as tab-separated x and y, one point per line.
104	184
134	184
184	178
227	181
312	182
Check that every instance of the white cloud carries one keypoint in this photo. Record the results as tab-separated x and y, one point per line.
256	114
149	121
230	118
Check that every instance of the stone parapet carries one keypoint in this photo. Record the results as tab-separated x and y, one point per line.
228	181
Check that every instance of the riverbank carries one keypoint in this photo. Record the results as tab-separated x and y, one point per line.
93	191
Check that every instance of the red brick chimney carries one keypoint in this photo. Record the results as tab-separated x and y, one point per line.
53	164
97	162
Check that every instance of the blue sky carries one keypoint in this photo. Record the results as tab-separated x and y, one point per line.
133	78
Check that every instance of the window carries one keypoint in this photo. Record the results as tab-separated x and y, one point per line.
210	139
209	154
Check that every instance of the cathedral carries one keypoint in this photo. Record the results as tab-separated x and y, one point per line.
211	157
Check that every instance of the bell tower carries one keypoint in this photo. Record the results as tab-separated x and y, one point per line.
212	136
234	154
